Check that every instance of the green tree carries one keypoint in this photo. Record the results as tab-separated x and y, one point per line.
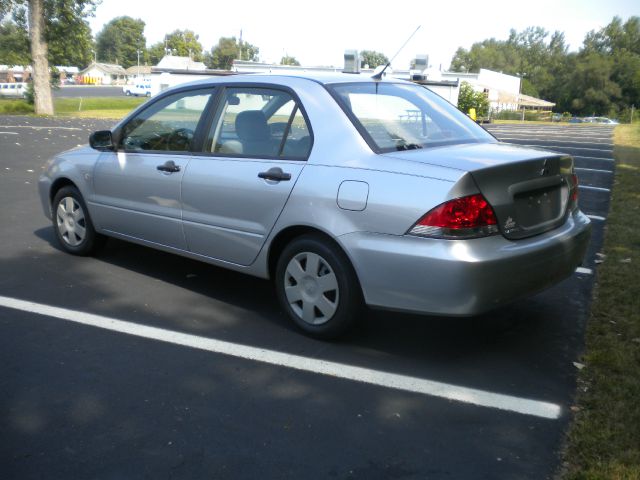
372	58
287	60
155	53
184	43
229	49
14	44
468	98
120	40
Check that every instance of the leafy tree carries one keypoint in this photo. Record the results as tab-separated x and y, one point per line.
287	60
468	98
120	40
372	58
14	44
229	49
155	53
184	43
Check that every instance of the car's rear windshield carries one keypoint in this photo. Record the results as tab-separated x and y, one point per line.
396	116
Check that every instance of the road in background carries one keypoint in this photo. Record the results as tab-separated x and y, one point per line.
85	402
75	91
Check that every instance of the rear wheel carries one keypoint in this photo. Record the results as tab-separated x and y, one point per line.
317	287
72	223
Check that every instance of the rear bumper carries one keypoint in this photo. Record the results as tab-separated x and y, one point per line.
463	277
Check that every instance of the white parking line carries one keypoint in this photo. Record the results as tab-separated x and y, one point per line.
9	133
36	127
597	217
560	147
585	271
374	377
608	159
597	170
595	189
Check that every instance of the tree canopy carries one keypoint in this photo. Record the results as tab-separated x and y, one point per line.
603	77
229	49
287	60
66	32
372	58
120	40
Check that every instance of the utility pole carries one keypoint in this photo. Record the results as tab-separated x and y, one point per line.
138	52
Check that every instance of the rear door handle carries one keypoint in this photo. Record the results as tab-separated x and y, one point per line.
169	166
276	174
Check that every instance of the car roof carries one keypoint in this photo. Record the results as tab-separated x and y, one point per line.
324	78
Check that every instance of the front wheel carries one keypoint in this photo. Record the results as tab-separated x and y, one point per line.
72	223
317	287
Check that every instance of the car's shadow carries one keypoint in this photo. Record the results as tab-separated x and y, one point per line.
530	334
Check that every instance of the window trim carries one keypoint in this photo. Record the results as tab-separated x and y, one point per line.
217	111
118	132
365	134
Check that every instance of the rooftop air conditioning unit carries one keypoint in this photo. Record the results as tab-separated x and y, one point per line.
421	63
351	61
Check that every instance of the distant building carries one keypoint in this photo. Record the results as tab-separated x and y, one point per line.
138	71
502	90
172	62
11	74
103	74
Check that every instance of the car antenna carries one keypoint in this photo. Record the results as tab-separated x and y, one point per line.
378	76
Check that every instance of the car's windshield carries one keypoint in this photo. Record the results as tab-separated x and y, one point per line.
395	116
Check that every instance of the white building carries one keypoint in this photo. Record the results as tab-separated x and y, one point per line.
103	74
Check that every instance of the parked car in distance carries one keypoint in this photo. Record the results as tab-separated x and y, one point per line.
13	89
137	89
344	189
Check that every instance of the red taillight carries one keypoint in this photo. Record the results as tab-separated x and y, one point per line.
573	197
465	217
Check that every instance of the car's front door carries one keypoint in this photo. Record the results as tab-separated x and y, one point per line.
137	188
235	190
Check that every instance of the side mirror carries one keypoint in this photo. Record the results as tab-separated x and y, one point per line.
101	140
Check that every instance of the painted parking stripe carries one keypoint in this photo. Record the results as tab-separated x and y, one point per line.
560	147
597	217
38	127
374	377
585	271
595	189
9	133
582	157
596	170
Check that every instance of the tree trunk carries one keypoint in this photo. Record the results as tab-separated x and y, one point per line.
39	50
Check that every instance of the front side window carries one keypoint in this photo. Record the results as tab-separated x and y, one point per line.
395	117
260	122
168	125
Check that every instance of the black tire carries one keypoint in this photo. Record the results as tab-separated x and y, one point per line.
72	223
322	312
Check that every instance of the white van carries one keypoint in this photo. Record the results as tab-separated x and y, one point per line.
14	90
137	88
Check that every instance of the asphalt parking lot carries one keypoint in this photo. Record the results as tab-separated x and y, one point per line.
194	372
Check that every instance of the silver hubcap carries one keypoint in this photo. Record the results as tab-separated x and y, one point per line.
71	221
311	288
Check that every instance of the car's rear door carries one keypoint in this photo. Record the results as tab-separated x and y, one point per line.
137	188
234	191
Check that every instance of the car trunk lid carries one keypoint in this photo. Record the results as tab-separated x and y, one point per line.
529	189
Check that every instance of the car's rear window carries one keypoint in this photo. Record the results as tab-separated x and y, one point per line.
395	116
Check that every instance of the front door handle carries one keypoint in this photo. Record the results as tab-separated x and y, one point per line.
276	174
169	166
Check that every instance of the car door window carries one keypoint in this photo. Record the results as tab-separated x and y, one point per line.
260	122
168	125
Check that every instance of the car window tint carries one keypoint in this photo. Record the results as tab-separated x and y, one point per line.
405	117
168	125
257	122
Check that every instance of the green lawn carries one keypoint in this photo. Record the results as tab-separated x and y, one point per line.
92	107
604	439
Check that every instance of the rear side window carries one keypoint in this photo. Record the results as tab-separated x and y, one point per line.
393	117
259	122
168	125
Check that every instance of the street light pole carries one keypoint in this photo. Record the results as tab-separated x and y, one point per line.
138	52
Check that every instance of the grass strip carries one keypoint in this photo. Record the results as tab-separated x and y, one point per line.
603	441
90	107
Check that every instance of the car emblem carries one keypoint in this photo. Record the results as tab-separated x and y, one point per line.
509	224
545	169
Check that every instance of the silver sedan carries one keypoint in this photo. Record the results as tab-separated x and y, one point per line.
345	190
